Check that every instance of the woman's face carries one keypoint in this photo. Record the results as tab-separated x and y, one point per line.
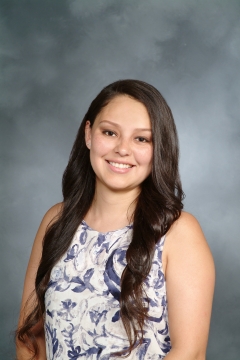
120	143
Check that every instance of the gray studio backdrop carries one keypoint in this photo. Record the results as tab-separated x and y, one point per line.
56	56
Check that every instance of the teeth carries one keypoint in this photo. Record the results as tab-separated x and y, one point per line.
121	166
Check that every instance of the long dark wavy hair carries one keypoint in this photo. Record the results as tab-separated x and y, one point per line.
158	205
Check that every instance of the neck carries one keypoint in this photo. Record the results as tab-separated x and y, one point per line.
111	210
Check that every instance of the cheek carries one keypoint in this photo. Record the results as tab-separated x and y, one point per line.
99	149
99	145
144	157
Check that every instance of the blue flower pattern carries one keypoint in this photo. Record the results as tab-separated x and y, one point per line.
82	319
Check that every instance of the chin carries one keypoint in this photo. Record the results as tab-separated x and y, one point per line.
123	188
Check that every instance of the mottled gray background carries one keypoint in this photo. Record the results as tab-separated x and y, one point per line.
56	56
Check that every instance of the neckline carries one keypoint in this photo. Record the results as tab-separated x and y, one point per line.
125	228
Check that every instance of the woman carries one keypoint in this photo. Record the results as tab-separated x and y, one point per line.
123	270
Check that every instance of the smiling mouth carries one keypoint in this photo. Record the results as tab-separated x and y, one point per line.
119	165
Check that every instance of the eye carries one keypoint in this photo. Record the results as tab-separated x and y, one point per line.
109	133
142	139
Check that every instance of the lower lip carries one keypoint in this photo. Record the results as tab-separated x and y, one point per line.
119	170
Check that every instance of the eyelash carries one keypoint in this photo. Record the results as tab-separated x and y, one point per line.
108	132
143	138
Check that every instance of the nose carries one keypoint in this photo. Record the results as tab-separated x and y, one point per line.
123	147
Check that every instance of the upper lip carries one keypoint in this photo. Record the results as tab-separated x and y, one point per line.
120	162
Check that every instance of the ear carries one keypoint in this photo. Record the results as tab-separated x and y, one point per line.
88	131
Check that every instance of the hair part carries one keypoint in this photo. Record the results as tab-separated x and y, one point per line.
159	204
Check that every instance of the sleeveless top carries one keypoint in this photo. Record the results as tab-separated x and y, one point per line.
82	300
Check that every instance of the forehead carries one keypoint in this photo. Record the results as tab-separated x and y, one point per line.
125	109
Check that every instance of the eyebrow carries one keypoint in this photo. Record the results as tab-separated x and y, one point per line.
113	123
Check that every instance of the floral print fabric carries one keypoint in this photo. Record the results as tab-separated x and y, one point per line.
82	300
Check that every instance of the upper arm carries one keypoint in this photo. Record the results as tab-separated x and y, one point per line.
35	257
190	280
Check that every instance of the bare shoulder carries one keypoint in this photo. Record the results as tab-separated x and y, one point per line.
186	237
48	219
190	276
51	215
29	295
185	229
36	252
